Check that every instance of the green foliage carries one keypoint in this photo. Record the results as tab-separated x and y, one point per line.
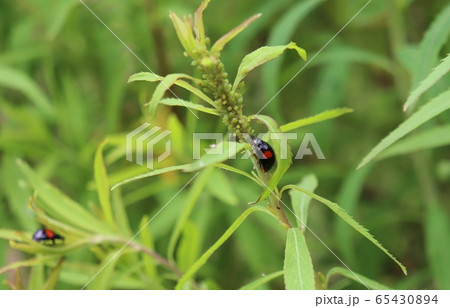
298	268
430	110
66	106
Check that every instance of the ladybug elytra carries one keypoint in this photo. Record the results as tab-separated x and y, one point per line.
264	153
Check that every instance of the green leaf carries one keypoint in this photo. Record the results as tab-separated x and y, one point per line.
298	267
190	246
432	42
187	104
17	80
207	254
261	56
150	174
120	213
348	219
147	240
238	171
17	192
323	116
220	43
102	276
282	163
101	181
348	197
435	75
60	13
259	282
61	206
199	28
431	138
184	32
35	248
161	89
36	280
437	237
220	187
151	77
300	201
433	108
196	190
229	149
369	283
40	259
53	278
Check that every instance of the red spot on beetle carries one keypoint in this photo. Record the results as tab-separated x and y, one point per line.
268	154
50	234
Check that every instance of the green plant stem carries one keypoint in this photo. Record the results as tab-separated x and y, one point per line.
273	203
397	38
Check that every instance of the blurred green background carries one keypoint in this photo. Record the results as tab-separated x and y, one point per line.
63	90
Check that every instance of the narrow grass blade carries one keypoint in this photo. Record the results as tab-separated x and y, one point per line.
374	285
436	74
146	237
431	138
226	149
431	109
238	171
195	191
298	267
53	278
220	44
101	181
435	37
348	197
261	281
204	258
348	219
437	237
17	80
150	174
26	263
190	245
102	276
62	206
36	280
120	213
323	116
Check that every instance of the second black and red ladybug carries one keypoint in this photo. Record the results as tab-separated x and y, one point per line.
264	153
46	236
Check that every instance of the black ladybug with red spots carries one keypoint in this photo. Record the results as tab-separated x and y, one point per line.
264	153
46	236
